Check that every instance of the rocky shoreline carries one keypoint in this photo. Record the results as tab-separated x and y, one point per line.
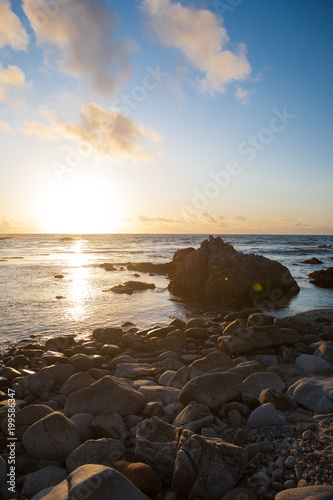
177	412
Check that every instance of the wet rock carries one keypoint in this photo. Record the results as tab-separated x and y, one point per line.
313	261
43	478
108	267
53	438
257	382
109	394
206	467
106	451
212	389
97	482
139	285
265	415
314	393
197	333
144	477
217	273
175	342
121	289
110	350
322	278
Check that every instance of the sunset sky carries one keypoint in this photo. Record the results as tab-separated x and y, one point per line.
157	116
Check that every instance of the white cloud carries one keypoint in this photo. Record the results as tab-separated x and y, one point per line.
12	32
242	95
5	127
200	36
105	131
12	81
84	35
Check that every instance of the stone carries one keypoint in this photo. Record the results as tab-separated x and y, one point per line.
25	417
325	351
43	478
239	494
123	358
249	339
214	360
108	267
191	412
110	350
198	333
75	383
165	377
212	389
165	395
235	418
156	444
136	370
260	319
206	467
279	399
109	425
96	451
324	492
174	343
83	423
265	415
246	368
183	375
144	477
257	382
313	364
93	482
81	362
217	274
109	394
322	278
314	393
53	438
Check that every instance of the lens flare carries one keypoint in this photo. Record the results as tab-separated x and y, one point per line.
257	287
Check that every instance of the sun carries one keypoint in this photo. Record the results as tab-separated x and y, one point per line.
81	205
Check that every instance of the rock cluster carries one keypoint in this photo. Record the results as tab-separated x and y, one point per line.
235	405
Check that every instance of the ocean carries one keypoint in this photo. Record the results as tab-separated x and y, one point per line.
28	287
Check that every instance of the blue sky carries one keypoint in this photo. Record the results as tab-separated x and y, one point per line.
195	91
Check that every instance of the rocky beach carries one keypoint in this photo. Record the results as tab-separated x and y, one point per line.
232	405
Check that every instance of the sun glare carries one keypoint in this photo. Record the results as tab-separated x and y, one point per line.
81	205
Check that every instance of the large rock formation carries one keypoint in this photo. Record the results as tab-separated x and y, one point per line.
217	274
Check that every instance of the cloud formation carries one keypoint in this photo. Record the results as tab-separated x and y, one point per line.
12	80
5	127
199	35
105	131
84	36
12	32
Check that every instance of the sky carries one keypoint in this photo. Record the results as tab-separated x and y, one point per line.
158	116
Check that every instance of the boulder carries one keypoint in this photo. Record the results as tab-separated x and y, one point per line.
53	437
136	370
265	415
109	425
314	393
254	384
83	424
165	395
197	333
109	394
25	418
217	274
193	411
156	444
206	468
183	375
214	360
322	278
319	492
140	285
75	383
141	475
279	399
148	267
246	368
43	478
212	389
96	451
325	351
93	482
254	338
81	362
313	364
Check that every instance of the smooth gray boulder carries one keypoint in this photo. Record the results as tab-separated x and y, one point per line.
212	389
257	382
52	438
50	475
92	482
206	468
314	393
313	364
214	360
109	394
265	415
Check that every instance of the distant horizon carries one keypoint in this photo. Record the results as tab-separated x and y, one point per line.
166	234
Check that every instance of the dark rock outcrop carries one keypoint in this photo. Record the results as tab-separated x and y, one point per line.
322	278
312	261
217	274
148	267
